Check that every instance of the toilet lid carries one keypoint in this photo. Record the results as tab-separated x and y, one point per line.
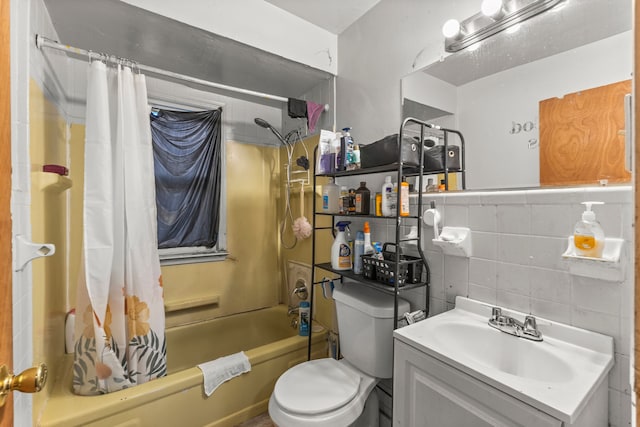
316	386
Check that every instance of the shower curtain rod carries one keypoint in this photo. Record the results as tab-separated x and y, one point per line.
42	41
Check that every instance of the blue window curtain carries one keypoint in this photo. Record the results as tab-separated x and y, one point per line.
187	155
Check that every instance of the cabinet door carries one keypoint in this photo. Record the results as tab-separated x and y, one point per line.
429	393
582	136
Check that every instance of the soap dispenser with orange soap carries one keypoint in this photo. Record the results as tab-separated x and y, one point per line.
588	236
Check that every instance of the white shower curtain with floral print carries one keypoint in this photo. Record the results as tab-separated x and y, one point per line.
119	334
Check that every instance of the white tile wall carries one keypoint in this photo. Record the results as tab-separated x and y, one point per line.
518	239
21	20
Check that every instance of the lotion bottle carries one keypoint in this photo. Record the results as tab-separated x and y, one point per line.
588	236
404	197
358	251
388	198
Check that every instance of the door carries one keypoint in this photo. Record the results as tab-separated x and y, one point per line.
6	334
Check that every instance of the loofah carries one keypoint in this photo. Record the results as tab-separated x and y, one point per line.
301	227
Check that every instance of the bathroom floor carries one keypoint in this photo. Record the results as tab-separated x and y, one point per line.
261	420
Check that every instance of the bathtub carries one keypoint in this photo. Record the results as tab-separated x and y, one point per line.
178	399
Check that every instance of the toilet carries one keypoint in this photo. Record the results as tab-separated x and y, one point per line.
340	393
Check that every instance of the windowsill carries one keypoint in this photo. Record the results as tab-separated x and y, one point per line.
191	258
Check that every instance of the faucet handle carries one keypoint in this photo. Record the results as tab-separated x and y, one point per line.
496	312
530	323
530	329
300	290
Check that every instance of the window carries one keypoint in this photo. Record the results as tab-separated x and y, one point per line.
188	159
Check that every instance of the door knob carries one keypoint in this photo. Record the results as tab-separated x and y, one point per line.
30	380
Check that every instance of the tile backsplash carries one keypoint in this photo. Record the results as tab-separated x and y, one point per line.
518	241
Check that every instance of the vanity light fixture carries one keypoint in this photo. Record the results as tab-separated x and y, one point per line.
452	29
495	16
494	9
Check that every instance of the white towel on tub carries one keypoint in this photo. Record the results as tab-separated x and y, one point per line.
223	369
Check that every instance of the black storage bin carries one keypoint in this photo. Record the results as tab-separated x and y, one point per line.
434	158
385	152
383	270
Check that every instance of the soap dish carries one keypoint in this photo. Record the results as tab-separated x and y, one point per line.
455	241
608	267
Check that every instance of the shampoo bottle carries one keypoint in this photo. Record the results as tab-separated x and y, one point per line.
340	250
303	319
348	146
588	236
335	151
69	331
358	251
343	201
356	156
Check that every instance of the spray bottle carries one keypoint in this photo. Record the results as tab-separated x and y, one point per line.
340	250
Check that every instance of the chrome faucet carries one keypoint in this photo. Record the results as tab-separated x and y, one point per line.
507	324
294	319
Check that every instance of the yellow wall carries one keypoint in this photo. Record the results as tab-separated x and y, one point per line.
48	136
323	309
249	278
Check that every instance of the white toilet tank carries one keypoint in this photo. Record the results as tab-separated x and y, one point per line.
365	323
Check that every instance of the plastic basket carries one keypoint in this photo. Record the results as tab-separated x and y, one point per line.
383	270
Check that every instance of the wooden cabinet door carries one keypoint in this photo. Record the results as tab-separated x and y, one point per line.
6	334
582	137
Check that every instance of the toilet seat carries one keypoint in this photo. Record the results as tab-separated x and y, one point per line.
341	408
303	388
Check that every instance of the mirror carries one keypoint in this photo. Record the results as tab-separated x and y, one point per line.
493	91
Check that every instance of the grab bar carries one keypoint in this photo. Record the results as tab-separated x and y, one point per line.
191	303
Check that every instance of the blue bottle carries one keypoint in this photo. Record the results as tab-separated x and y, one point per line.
303	320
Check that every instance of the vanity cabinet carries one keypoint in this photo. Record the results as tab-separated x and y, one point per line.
431	393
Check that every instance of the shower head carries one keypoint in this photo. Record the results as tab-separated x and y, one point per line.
263	123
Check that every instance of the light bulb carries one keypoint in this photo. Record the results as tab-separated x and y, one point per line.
451	28
491	8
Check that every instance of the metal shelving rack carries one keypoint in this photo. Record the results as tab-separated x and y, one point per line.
401	169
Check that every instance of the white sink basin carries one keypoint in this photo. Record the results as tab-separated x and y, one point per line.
486	346
556	375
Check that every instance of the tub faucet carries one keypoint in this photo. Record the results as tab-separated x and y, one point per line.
507	324
294	319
